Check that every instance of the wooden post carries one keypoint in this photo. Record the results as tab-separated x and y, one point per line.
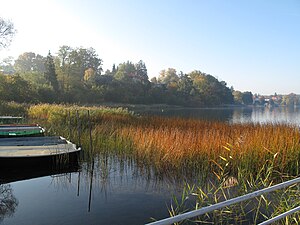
78	184
91	187
78	128
90	131
70	130
92	166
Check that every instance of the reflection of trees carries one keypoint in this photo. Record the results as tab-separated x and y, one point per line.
8	201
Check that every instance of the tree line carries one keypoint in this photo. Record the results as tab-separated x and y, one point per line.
75	75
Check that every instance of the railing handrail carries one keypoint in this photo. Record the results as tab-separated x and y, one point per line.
281	216
223	204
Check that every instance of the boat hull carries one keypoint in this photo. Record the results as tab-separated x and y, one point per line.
48	161
32	152
21	130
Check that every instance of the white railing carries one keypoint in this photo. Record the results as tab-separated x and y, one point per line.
223	204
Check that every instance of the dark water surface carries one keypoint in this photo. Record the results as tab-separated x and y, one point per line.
114	193
116	196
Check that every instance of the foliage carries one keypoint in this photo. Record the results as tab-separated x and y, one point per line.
291	100
30	62
247	98
50	73
13	109
15	88
7	31
74	76
6	66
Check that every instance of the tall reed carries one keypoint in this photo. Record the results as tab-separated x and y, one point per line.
187	146
225	159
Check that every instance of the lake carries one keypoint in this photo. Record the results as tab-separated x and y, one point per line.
110	190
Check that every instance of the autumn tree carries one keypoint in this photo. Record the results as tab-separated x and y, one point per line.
168	77
76	66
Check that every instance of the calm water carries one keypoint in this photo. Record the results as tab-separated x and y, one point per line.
114	193
235	115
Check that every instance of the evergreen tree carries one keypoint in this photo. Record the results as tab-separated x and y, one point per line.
50	73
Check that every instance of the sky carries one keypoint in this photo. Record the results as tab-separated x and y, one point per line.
253	45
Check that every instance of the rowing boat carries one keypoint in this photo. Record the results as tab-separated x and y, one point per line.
29	151
21	130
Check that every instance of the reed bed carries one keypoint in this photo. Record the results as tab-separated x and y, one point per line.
13	109
224	159
177	144
220	147
62	114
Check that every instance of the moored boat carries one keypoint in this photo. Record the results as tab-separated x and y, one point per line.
10	119
32	151
21	130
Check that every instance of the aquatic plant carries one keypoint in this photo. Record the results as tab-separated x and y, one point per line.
252	211
189	147
13	109
222	159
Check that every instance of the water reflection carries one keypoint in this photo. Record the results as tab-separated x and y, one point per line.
9	175
91	194
8	202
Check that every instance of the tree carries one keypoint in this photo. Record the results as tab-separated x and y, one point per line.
7	65
8	202
50	73
77	67
247	98
290	100
238	97
153	80
185	85
210	90
30	62
126	72
168	76
141	72
16	89
142	76
7	31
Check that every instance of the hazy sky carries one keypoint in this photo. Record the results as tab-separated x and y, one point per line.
253	45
